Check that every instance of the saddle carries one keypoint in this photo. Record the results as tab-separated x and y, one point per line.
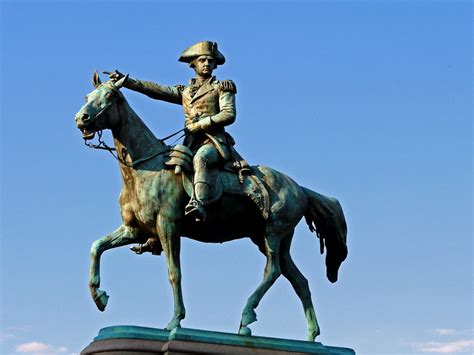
234	178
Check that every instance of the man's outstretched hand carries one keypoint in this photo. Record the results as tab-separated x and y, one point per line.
115	75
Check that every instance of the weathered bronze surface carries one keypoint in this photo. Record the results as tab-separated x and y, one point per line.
203	189
132	340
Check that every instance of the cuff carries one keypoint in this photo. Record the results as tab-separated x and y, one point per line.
130	83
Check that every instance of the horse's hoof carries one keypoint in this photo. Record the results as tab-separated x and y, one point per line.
312	334
137	249
173	325
101	298
245	331
248	317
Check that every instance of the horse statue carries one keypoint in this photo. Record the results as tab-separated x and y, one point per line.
152	204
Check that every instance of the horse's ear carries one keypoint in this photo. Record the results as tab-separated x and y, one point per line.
96	80
119	83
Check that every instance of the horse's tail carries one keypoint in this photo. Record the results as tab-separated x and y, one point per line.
324	215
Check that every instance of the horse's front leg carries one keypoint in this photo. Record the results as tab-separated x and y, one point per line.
122	236
170	240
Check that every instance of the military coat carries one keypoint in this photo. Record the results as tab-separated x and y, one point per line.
214	99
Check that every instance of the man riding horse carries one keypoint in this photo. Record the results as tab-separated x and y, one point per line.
153	193
209	105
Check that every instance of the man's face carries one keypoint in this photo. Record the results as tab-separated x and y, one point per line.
204	65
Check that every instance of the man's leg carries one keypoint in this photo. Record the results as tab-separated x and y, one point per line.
205	159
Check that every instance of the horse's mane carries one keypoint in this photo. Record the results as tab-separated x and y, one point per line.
136	119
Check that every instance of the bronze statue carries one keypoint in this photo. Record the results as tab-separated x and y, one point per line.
159	202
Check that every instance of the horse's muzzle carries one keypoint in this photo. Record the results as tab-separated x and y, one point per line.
83	122
86	135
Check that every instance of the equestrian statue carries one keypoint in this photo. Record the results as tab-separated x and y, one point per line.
203	189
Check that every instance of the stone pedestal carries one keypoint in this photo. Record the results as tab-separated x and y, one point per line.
132	340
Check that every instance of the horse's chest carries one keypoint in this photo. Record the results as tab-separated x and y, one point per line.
152	194
142	201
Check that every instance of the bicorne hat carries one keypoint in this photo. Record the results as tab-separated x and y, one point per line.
202	48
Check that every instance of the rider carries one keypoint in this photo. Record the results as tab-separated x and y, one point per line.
209	105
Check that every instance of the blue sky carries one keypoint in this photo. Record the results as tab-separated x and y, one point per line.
367	101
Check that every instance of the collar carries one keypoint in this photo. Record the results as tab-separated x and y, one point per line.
194	81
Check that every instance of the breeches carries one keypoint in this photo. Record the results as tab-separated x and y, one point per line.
205	158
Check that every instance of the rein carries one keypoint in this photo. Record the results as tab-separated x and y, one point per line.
103	146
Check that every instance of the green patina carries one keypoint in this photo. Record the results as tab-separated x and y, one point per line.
205	336
132	332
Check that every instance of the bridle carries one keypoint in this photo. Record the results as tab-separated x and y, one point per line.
103	146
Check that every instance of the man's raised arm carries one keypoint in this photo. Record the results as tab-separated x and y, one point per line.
155	91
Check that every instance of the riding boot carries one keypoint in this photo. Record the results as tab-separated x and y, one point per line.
195	206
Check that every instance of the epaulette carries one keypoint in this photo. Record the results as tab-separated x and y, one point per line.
179	87
228	85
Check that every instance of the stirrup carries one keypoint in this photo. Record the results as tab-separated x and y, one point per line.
196	209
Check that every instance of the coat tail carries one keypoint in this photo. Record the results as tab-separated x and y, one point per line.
324	216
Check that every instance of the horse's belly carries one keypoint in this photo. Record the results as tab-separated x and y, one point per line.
233	217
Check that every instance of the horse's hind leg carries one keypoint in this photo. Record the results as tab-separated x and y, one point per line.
300	285
122	236
271	274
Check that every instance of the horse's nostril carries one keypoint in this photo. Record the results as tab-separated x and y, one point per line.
85	117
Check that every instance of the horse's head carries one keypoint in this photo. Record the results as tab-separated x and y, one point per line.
97	112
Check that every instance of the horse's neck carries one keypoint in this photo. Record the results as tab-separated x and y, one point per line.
133	139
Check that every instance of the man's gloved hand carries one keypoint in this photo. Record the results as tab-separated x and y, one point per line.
202	125
115	75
